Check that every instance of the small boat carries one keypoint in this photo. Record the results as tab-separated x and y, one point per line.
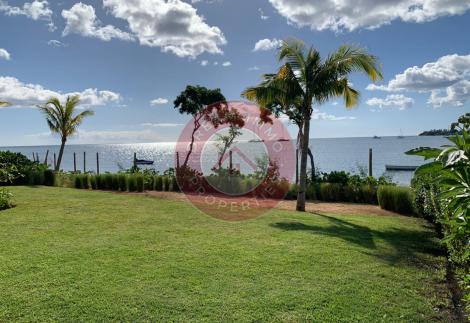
401	168
143	162
283	139
256	140
400	136
377	137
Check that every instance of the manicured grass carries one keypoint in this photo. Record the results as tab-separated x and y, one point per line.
75	255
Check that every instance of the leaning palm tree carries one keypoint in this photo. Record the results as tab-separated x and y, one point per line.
62	120
303	80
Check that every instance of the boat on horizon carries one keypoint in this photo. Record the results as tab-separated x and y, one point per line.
377	137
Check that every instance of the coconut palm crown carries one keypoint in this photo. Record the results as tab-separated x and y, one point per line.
305	80
63	120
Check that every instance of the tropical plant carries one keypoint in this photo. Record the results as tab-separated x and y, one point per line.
303	80
443	190
62	119
193	101
4	103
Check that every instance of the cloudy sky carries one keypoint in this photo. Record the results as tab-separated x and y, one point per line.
129	59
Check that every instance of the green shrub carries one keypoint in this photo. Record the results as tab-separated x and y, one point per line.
49	177
292	193
93	182
158	183
396	199
131	183
149	182
139	182
5	199
165	183
331	192
107	182
174	187
122	182
115	182
85	181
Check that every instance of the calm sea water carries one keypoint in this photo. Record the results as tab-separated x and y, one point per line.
348	154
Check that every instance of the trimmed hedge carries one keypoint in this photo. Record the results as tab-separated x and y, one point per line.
397	199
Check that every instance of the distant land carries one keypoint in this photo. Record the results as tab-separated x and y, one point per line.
438	132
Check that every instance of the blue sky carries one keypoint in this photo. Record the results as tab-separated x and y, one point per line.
123	55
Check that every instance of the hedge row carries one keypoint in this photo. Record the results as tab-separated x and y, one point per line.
397	199
117	182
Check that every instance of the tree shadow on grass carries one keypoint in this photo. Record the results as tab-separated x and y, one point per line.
402	246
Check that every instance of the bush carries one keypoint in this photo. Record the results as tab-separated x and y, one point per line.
174	187
49	177
139	182
122	182
292	192
396	199
131	183
5	199
93	182
158	183
165	184
149	183
115	182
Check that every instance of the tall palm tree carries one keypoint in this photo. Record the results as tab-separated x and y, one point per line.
62	120
303	80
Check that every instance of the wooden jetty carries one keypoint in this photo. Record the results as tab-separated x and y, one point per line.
401	168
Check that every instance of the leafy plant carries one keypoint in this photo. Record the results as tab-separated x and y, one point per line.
396	199
5	199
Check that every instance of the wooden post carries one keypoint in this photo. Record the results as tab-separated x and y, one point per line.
45	159
37	157
74	162
135	160
84	162
34	158
370	162
296	166
97	163
55	162
231	162
177	160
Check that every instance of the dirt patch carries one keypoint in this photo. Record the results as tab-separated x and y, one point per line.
313	207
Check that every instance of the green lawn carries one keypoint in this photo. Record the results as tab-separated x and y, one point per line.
72	255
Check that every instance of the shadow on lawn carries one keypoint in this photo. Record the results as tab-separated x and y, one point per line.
408	247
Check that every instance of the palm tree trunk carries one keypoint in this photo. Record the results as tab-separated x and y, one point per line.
312	165
303	164
61	152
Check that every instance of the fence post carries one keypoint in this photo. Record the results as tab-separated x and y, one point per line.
74	162
97	163
370	162
135	160
231	162
84	162
45	159
55	162
177	160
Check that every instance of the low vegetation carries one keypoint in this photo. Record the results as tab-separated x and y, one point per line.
78	255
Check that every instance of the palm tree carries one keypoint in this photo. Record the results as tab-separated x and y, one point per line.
303	80
61	119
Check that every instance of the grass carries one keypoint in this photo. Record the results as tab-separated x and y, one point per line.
75	255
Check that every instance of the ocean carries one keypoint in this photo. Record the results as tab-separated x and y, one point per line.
348	154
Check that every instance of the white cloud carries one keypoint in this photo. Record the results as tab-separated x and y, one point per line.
449	75
36	10
262	15
267	44
392	101
4	54
159	101
116	136
254	68
81	19
56	43
216	63
319	115
204	63
350	15
174	26
162	125
28	95
227	64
